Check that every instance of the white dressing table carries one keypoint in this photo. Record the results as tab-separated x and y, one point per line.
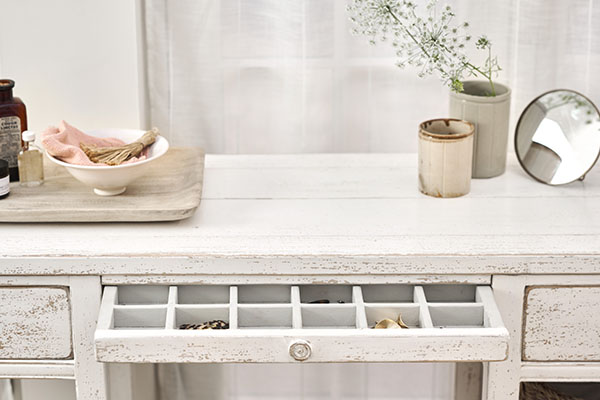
511	271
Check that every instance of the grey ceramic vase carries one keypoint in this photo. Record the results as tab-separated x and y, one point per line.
490	115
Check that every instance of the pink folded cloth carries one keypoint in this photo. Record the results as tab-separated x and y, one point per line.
63	143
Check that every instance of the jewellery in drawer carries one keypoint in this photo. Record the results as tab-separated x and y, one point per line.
325	301
216	324
388	323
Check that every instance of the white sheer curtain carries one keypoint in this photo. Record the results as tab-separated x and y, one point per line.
286	76
281	76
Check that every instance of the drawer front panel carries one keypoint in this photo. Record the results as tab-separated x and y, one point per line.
311	323
562	324
275	346
35	323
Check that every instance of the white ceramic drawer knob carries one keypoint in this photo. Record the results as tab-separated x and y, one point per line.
300	350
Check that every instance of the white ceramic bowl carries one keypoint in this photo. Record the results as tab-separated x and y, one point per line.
113	180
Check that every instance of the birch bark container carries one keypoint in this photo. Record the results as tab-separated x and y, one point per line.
445	157
490	115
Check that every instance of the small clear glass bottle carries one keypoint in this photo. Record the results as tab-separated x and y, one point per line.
31	162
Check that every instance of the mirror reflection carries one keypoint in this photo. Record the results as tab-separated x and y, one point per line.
557	139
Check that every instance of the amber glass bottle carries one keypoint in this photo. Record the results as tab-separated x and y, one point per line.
13	121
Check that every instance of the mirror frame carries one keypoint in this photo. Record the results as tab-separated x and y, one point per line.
582	177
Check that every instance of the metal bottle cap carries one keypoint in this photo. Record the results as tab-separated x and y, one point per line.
28	136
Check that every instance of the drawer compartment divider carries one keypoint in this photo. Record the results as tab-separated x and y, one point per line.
172	302
424	315
361	316
233	307
107	307
296	310
485	295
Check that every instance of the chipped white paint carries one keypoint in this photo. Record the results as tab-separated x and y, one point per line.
273	347
34	323
334	214
29	369
562	324
139	324
502	379
90	381
338	267
560	372
293	279
323	219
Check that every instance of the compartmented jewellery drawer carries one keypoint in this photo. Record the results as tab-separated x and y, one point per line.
562	323
312	323
35	323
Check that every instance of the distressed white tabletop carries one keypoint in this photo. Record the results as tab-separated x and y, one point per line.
332	214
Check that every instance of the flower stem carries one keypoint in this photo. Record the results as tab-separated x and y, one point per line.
472	67
490	75
486	76
414	39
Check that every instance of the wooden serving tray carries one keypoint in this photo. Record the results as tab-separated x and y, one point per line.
171	190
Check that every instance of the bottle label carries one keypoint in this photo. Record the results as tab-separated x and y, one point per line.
4	185
10	139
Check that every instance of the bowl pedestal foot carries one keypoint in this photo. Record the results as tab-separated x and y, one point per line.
109	192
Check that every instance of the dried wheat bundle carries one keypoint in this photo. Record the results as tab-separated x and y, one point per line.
119	154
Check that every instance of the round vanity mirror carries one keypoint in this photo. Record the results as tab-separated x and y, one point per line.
557	139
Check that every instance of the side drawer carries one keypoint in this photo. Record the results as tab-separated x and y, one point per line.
311	323
561	323
35	323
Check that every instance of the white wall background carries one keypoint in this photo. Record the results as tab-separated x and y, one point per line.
72	59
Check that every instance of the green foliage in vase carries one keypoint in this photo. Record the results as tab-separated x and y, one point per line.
433	42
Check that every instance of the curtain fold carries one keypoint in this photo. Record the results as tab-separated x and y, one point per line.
286	76
6	392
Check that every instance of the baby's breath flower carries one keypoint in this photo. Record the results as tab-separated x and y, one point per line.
434	43
482	43
456	85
